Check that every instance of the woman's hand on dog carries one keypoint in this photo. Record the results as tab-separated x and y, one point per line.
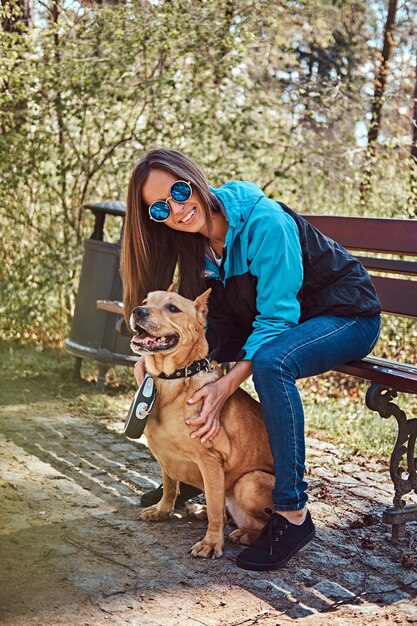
139	370
213	395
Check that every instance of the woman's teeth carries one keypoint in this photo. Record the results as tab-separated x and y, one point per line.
188	216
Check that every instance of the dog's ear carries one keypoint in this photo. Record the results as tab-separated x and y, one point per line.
200	303
173	288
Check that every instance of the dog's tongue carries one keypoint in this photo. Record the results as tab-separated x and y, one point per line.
146	340
141	337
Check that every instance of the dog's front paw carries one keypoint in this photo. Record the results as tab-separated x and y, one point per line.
206	548
154	514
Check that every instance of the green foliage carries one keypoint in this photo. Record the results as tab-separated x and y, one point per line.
42	378
335	409
270	91
350	424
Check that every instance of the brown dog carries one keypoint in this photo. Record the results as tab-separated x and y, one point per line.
236	468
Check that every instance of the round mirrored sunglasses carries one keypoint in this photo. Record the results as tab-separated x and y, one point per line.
160	210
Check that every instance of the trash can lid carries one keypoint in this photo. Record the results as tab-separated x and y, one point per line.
108	206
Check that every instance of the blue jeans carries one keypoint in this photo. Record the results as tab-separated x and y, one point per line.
313	347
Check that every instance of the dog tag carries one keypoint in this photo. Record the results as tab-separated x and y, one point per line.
140	408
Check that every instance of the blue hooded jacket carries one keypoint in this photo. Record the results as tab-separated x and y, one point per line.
277	270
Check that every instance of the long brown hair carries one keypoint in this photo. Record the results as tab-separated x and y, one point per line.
150	251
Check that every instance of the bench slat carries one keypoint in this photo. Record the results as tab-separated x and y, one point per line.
369	233
388	265
384	375
388	363
397	296
112	306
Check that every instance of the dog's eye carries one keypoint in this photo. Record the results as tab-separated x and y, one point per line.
173	308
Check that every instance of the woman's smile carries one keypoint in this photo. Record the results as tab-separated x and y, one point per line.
189	216
185	216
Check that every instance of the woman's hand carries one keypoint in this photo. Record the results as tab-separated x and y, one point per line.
214	395
139	370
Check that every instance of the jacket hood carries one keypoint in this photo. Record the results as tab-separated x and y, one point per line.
238	199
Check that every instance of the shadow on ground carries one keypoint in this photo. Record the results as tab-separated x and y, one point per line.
73	551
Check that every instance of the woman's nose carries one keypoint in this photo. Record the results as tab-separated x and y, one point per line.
176	207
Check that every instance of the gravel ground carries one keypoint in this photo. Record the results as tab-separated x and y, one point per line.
73	551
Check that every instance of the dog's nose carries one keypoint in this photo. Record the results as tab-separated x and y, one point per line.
140	312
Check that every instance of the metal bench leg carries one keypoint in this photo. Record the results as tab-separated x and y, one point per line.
101	379
398	530
77	368
378	398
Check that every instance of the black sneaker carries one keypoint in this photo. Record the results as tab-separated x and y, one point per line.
278	542
154	495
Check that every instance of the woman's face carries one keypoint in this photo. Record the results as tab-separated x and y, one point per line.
188	216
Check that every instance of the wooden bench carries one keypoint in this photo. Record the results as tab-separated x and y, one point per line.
388	249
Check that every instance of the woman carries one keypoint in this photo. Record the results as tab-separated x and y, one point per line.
286	303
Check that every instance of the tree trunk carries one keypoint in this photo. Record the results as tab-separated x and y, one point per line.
68	223
17	14
378	100
16	18
412	200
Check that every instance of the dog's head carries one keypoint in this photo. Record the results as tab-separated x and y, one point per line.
169	324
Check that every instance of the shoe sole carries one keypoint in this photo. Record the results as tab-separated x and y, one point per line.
260	567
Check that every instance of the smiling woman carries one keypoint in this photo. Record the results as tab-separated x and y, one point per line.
285	301
153	249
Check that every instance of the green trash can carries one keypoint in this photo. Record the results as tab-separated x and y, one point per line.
96	334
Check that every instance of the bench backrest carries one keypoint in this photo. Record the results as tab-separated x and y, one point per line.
392	238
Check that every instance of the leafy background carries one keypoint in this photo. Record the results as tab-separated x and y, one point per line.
281	93
315	101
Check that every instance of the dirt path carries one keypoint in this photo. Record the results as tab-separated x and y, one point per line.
73	552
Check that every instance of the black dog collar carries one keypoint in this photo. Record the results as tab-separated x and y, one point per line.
190	370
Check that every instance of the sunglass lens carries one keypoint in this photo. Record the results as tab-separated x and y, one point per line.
160	211
180	191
